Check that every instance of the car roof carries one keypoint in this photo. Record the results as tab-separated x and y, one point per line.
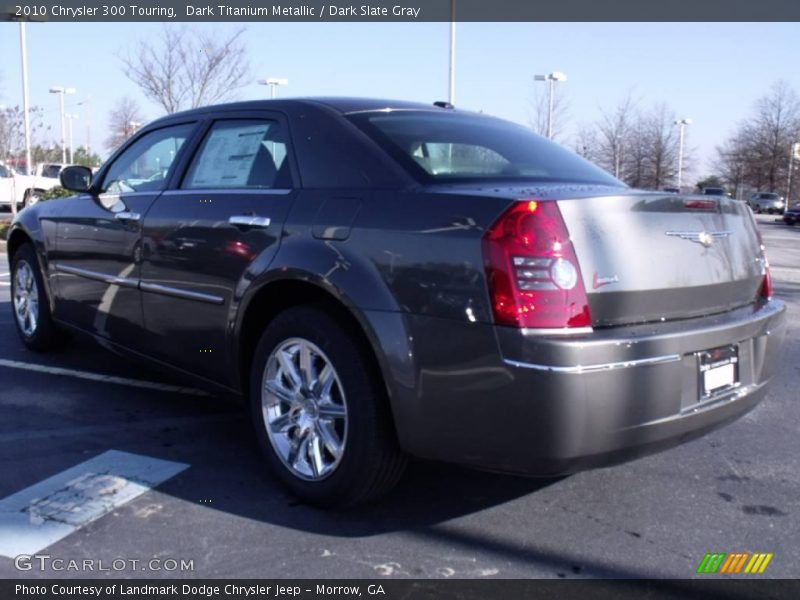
343	105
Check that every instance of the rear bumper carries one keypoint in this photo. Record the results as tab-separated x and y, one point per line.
515	401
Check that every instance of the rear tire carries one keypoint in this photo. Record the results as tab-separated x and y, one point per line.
320	411
30	304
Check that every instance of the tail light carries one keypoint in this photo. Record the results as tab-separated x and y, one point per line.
766	286
765	291
532	271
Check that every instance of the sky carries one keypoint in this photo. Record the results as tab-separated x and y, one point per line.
710	72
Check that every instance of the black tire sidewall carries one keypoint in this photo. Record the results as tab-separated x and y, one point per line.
368	432
46	335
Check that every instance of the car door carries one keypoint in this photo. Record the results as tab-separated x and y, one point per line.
98	235
203	238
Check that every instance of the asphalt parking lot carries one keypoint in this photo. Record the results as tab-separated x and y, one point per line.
737	489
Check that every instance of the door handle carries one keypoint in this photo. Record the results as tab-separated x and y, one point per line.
249	221
127	216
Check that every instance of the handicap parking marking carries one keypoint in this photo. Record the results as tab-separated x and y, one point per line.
46	512
140	383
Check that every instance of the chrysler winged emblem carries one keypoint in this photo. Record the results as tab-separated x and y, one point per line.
705	238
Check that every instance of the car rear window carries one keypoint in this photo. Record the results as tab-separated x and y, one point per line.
51	171
437	146
768	196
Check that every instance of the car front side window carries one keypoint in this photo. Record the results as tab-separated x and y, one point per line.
145	165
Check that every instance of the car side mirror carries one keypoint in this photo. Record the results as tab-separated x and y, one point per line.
76	178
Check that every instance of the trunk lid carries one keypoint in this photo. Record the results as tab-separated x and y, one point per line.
652	257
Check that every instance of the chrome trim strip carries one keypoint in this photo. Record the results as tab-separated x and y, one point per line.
561	331
201	191
654	360
109	195
179	293
112	279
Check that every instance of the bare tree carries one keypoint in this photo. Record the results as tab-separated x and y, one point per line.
662	138
123	121
757	154
188	68
638	147
587	143
12	131
615	128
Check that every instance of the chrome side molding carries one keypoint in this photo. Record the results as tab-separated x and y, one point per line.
653	360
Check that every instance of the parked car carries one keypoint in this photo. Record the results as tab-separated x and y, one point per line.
26	189
792	214
767	202
714	191
383	279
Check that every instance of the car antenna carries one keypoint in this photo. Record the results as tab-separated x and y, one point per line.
442	104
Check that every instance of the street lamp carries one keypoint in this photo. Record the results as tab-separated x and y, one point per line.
71	117
681	123
551	78
273	82
62	91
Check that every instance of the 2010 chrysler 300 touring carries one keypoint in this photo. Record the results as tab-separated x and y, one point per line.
384	279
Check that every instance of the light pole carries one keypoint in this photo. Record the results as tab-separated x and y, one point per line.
71	117
681	123
551	78
794	150
62	91
273	82
87	104
23	50
451	89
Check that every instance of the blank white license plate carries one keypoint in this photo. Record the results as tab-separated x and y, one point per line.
719	377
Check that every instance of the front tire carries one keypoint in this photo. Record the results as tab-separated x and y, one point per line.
30	304
30	198
320	411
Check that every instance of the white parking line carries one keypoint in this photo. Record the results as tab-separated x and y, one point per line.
150	385
46	512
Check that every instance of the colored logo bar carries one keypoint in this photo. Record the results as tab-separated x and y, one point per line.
734	563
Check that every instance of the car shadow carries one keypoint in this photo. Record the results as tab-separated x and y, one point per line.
215	437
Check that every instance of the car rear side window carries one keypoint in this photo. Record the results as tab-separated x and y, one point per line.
448	146
144	166
241	154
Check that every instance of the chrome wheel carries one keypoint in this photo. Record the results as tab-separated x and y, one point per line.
304	409
26	299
